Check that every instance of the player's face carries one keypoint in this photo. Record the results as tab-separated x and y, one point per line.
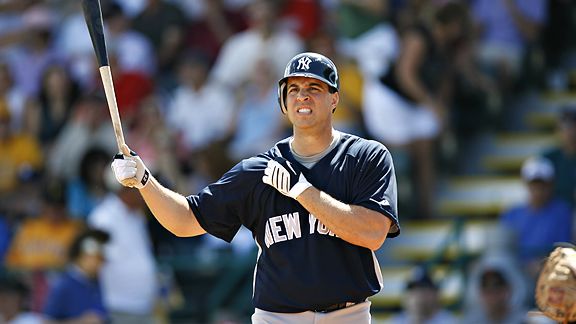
309	102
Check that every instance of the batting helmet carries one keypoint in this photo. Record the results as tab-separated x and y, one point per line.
310	65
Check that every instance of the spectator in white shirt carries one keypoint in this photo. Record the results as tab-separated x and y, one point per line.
241	53
129	280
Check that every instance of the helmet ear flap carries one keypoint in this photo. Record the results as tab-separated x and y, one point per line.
282	97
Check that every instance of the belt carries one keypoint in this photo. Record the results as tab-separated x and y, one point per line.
335	307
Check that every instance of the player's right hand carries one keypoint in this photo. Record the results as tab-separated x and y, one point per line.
130	171
287	178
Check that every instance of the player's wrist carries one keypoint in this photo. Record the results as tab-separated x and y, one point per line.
142	173
299	187
144	180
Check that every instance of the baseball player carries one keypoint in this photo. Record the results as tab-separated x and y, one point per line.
318	204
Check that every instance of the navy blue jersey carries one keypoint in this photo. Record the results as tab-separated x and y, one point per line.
301	264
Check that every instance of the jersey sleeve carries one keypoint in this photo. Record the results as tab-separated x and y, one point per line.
376	186
218	206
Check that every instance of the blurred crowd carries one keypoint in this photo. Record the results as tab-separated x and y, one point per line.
196	86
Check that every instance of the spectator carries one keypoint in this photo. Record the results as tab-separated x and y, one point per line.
212	23
88	189
563	156
409	107
201	117
496	291
74	45
76	295
163	24
264	39
14	298
152	138
41	241
20	153
89	126
128	278
58	94
540	221
14	97
134	51
507	29
32	53
422	303
257	108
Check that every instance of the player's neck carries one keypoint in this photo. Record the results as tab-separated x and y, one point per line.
308	144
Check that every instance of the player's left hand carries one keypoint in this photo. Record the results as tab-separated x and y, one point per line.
130	171
285	177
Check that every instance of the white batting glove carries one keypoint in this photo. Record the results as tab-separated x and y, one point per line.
130	171
285	177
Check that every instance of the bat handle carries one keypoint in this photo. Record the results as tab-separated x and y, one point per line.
106	76
124	149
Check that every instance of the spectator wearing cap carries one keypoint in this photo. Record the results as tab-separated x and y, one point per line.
542	219
76	295
563	156
421	303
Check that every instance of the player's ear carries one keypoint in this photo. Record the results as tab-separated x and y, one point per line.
335	100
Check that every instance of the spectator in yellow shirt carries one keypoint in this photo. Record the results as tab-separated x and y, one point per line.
41	242
20	154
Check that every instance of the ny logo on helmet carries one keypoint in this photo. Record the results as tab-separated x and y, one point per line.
304	63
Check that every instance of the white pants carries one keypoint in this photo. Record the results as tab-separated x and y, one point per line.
393	120
357	314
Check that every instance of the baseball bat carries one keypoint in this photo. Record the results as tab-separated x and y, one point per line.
93	16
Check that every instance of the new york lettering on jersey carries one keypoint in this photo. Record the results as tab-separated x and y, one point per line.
287	227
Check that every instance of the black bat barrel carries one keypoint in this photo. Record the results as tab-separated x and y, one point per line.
93	17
